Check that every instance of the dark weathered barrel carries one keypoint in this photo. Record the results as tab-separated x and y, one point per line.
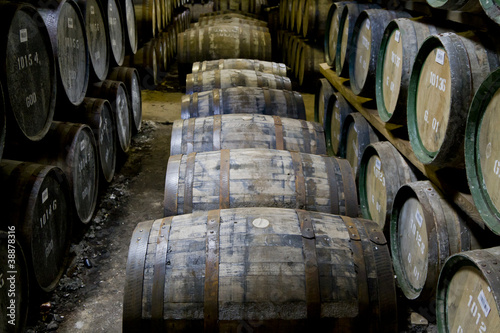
382	171
332	31
223	19
251	64
26	52
15	295
145	13
231	131
259	178
97	113
425	230
3	126
314	18
266	270
246	6
35	199
482	150
146	62
222	42
448	70
471	6
307	64
227	13
324	90
129	21
275	102
337	110
130	77
492	9
116	93
364	48
468	292
66	28
398	49
117	32
227	78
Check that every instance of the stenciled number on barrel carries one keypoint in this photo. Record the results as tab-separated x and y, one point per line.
496	168
28	60
472	305
435	123
437	81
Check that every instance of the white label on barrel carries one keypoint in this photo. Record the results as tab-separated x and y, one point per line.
113	42
440	57
92	10
49	248
85	192
70	22
378	165
367	24
396	36
97	55
484	303
45	195
83	144
419	218
260	223
106	157
23	35
488	150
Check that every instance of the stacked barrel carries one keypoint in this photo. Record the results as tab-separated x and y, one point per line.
412	71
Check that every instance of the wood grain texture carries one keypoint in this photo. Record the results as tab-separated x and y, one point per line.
251	64
324	90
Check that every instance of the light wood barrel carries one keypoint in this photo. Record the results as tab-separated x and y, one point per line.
448	70
398	50
365	45
308	64
468	292
492	9
348	18
13	305
248	100
227	13
482	151
97	38
332	31
382	171
296	15
227	78
259	178
146	63
324	90
300	271
232	22
314	18
356	135
337	110
117	31
425	230
293	53
232	131
145	11
130	25
35	199
116	93
226	19
222	41
130	78
251	64
471	6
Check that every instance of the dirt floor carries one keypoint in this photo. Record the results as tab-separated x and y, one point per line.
90	295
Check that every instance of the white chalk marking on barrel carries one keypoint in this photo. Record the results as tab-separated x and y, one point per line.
440	57
488	150
45	195
92	10
23	35
70	23
83	145
397	35
367	24
419	218
260	223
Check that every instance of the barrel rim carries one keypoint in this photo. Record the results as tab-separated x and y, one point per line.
492	9
320	84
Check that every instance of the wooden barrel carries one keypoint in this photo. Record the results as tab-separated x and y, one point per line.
296	14
145	12
232	22
199	8
259	178
482	151
146	63
348	18
425	230
356	135
471	6
129	22
228	13
293	52
398	49
15	295
382	171
337	109
314	18
97	114
324	90
227	19
117	32
116	93
273	102
468	292
284	270
222	41
308	64
365	45
332	31
448	70
97	38
492	9
251	64
246	6
3	122
232	131
35	199
130	77
228	78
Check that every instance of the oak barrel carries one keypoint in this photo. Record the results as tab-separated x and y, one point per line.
116	28
145	13
97	38
3	126
314	18
471	6
468	292
14	295
398	50
130	78
274	102
251	64
222	41
260	270
66	28
116	93
337	110
29	103
35	199
448	70
356	135
382	171
231	131
482	151
245	6
259	178
365	45
129	22
146	63
492	9
228	78
226	19
307	64
324	90
332	31
425	230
